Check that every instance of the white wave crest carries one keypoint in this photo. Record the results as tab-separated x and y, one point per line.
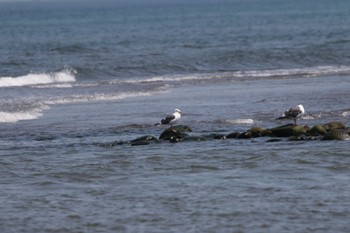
12	117
307	71
345	114
101	97
246	74
241	121
64	76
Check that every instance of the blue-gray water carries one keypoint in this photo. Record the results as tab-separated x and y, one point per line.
77	78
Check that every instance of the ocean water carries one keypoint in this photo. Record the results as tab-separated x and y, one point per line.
78	80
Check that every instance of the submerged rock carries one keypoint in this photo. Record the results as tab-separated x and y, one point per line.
245	135
274	140
216	136
233	135
144	140
304	138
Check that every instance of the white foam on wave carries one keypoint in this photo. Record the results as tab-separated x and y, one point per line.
33	79
345	114
303	72
241	121
55	85
169	78
37	105
12	117
73	99
307	71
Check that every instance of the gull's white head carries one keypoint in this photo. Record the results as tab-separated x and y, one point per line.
301	107
178	110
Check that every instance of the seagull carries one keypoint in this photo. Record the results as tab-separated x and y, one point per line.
171	118
293	113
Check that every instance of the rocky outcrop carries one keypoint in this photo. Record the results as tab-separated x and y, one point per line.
329	131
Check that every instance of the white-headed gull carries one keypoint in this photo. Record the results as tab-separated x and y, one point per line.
293	113
171	118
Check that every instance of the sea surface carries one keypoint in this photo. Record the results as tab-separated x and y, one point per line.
81	79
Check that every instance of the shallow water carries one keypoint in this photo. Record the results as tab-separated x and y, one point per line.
60	174
77	84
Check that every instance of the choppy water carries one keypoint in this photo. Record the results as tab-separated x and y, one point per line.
76	80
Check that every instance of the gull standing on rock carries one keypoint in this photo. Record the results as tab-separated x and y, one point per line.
293	113
171	119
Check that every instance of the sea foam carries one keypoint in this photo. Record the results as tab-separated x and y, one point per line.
243	75
12	117
33	79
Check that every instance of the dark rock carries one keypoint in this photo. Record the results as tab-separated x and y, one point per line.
258	132
147	138
337	134
178	131
274	140
334	125
233	135
317	130
144	140
195	138
174	139
140	143
217	136
287	130
303	138
116	143
254	132
245	135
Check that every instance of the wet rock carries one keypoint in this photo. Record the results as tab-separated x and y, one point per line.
233	135
245	135
175	139
317	130
140	143
196	138
258	132
182	128
334	125
144	140
178	132
111	144
252	133
217	136
337	134
287	130
207	137
274	140
303	138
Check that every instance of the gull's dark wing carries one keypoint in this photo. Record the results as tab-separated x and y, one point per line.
292	112
167	119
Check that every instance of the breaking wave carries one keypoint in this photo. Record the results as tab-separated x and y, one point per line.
33	108
34	79
246	75
12	117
